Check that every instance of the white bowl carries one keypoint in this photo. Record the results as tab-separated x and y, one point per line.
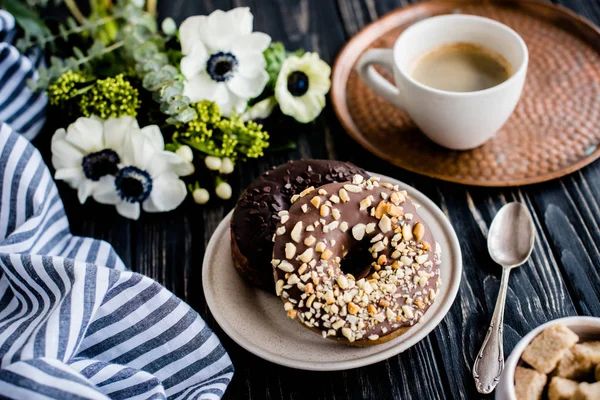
587	328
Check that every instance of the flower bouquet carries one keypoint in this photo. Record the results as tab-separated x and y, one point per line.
152	113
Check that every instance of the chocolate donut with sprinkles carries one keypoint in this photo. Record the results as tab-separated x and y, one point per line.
324	227
256	214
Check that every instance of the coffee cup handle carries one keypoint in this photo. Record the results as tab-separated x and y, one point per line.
373	79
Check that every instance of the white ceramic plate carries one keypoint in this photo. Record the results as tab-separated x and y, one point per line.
256	320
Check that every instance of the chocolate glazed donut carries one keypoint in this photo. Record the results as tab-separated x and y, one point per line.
397	283
256	214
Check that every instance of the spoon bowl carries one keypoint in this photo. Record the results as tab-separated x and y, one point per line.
511	236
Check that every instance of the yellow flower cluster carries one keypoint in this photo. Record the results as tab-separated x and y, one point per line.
63	89
110	97
222	137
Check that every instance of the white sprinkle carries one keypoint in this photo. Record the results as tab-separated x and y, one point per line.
290	250
279	287
296	232
306	256
293	279
358	231
286	266
385	224
353	188
370	228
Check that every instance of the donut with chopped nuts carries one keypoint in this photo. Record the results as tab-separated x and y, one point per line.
256	214
393	288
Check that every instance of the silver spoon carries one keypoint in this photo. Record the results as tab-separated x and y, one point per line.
510	242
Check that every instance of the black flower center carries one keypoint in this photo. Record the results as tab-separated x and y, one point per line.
297	83
96	165
221	66
133	184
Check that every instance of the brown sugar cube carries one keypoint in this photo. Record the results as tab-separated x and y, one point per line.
561	389
588	352
529	384
588	391
546	350
572	367
597	372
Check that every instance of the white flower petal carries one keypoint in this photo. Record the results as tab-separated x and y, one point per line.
64	154
167	161
255	42
116	131
248	88
189	32
129	210
154	135
242	19
86	134
73	176
260	110
195	62
251	64
217	32
138	150
85	190
149	206
105	191
200	87
305	108
221	29
168	191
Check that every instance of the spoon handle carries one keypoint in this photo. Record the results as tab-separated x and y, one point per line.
490	360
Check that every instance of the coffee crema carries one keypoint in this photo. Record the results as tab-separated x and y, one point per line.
461	67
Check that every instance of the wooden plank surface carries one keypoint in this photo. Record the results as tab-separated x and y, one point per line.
561	279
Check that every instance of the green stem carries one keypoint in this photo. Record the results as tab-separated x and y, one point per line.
78	29
77	14
106	50
151	6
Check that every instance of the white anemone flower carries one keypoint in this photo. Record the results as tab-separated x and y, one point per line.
148	177
223	59
301	86
89	149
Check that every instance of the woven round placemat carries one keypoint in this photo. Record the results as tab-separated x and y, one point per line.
554	130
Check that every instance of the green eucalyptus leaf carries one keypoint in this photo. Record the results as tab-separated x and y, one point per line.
63	31
176	107
71	23
186	115
78	53
172	89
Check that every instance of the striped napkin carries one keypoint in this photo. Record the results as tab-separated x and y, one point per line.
74	322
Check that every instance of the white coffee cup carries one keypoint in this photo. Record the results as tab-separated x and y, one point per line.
456	120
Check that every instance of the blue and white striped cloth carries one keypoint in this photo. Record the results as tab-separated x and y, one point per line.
74	323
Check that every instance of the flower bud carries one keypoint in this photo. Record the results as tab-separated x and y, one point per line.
213	163
201	196
185	152
226	166
223	190
168	26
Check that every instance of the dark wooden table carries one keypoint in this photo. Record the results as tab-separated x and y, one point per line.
562	278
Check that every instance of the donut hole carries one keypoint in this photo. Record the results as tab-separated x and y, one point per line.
358	260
